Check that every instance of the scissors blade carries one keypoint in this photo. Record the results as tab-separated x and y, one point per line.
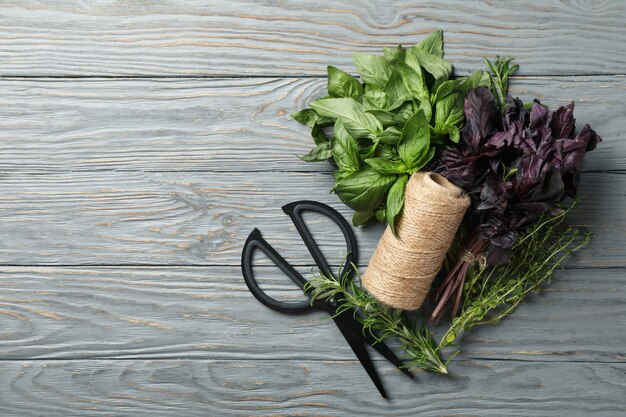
345	324
384	350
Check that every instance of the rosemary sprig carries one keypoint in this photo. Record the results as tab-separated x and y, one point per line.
500	70
382	322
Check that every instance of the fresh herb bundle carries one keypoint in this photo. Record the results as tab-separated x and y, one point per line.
519	165
387	125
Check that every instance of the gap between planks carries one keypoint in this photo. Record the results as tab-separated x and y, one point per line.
15	77
215	171
457	359
203	266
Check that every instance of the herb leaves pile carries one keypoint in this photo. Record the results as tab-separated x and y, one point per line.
389	124
519	165
516	166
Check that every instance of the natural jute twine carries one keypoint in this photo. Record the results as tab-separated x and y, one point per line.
402	269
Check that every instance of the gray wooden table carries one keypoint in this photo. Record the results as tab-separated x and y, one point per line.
141	141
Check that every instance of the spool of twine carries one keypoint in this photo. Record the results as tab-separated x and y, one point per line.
402	268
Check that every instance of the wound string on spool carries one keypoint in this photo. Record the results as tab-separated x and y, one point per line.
403	267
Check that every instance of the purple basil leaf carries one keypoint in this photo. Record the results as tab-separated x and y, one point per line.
563	121
553	187
589	137
495	195
460	168
481	112
570	182
529	172
540	115
504	240
497	255
501	139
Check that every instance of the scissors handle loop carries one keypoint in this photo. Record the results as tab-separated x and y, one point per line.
295	210
256	241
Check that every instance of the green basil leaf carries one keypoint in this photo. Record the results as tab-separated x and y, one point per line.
325	121
345	149
449	112
319	137
307	117
405	112
364	190
395	105
396	91
427	109
394	55
391	135
415	140
320	153
374	69
361	217
374	98
414	81
342	84
387	152
310	118
423	160
455	134
476	79
387	167
388	118
381	214
368	150
412	62
395	201
340	175
356	121
445	88
438	67
433	43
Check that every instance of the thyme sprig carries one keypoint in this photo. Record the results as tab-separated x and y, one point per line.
492	293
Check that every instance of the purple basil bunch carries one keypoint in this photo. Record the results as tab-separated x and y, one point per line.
516	165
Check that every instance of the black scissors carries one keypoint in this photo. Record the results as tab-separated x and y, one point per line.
351	329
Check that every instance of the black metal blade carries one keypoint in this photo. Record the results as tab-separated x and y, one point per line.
345	323
384	350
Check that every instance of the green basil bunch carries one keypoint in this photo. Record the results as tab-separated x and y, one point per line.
389	124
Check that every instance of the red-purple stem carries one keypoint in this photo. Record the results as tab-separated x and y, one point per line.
453	284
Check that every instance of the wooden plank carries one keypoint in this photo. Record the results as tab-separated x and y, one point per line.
221	124
227	37
203	218
278	388
208	313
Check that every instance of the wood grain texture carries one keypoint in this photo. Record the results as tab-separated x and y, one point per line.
222	124
278	388
208	313
125	198
203	218
227	37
